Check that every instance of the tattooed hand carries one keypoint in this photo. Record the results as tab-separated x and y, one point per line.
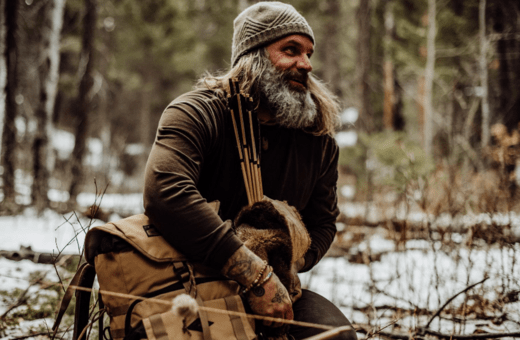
273	301
270	299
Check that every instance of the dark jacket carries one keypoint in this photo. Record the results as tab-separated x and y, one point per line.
194	160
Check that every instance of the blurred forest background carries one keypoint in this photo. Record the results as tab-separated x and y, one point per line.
430	143
430	91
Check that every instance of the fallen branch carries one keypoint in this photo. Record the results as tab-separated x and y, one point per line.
330	333
38	334
26	253
472	336
400	336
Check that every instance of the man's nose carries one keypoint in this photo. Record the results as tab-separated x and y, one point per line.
304	63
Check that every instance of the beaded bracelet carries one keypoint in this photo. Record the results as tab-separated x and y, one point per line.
257	279
267	277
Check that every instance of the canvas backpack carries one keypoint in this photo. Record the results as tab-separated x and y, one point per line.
132	260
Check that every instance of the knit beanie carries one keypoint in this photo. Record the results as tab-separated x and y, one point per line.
264	23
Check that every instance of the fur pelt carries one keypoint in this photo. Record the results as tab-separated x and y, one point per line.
262	215
265	231
272	245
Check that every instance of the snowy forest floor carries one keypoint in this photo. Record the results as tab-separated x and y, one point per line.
389	279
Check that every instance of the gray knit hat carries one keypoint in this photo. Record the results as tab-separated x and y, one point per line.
263	23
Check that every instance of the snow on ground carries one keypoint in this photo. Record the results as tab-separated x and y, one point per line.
15	274
417	279
424	275
49	233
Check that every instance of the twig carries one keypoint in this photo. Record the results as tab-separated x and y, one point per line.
58	273
96	206
370	333
208	309
37	334
397	298
98	315
473	336
330	333
390	324
22	299
451	299
389	335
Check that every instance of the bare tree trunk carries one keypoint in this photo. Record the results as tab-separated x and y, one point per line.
484	73
331	59
49	73
9	133
84	99
363	62
420	105
388	69
145	126
506	27
103	114
429	75
3	68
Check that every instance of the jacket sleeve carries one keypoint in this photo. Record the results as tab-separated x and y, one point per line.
321	212
172	201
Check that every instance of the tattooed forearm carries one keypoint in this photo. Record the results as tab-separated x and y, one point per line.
243	266
240	268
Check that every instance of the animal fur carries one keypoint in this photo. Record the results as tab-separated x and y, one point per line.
264	230
270	245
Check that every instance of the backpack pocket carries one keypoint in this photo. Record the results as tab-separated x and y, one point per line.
154	320
222	325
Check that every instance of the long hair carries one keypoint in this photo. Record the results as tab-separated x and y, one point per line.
251	66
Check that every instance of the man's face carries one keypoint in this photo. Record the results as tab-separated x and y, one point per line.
291	56
284	82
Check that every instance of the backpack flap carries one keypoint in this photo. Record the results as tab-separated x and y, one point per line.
130	258
138	232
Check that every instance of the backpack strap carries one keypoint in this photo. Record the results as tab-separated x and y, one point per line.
84	277
186	277
81	313
101	327
236	321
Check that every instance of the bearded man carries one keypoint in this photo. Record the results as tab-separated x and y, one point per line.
194	161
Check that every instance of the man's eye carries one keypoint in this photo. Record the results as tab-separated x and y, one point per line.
291	50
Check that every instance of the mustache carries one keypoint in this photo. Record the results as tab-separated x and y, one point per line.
300	77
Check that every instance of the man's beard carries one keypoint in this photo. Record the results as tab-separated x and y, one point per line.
292	108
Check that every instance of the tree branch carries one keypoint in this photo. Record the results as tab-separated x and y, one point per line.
449	300
472	336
